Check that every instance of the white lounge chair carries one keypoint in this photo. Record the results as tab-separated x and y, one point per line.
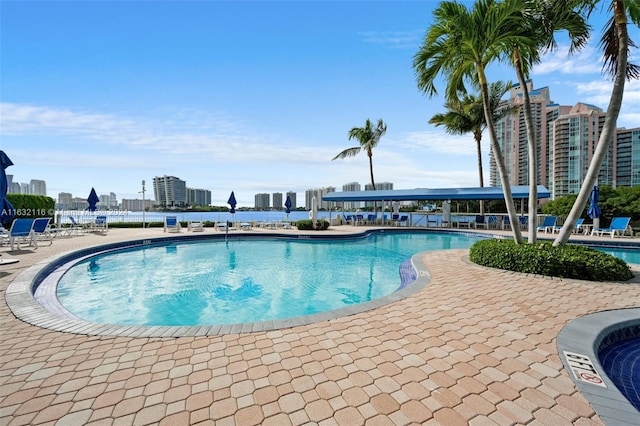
195	226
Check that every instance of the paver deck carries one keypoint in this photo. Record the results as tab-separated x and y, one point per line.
476	346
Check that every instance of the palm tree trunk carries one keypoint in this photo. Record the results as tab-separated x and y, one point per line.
373	184
531	148
497	154
478	137
608	129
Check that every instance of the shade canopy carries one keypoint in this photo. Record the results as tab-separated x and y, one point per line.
486	193
92	200
6	209
232	202
287	205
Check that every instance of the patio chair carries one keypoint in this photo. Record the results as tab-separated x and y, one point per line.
100	224
548	224
21	231
403	220
195	226
618	225
41	231
75	226
171	224
481	222
578	229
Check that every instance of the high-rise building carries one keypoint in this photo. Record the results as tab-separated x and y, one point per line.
380	186
318	193
108	201
198	197
170	191
37	187
262	201
278	202
566	138
627	165
350	187
137	205
293	197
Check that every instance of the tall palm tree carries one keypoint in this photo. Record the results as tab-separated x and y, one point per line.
541	19
615	44
368	138
459	46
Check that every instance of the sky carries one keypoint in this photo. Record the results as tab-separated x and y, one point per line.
244	96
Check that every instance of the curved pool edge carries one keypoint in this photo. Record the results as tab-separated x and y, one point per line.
22	302
581	338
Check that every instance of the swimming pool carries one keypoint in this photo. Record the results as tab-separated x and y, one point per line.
242	280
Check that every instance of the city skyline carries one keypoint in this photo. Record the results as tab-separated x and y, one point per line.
246	97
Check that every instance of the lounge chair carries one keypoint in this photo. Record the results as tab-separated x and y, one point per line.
548	224
41	231
21	231
578	229
481	222
171	224
618	225
403	220
100	224
75	226
195	226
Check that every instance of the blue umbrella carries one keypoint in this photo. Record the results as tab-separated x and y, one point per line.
594	209
232	202
6	212
92	200
287	205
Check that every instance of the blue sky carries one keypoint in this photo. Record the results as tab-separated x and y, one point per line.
245	96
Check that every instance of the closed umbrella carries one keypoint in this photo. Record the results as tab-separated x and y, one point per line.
232	202
287	206
93	200
313	214
594	211
6	213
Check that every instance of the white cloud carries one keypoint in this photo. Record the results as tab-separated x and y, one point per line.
440	142
586	61
393	39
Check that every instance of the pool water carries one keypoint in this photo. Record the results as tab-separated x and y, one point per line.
621	362
628	255
217	282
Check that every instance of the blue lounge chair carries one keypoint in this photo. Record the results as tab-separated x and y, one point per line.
100	224
21	231
578	229
548	224
481	222
41	231
171	224
618	225
403	220
75	226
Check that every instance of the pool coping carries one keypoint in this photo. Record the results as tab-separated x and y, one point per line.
583	337
48	312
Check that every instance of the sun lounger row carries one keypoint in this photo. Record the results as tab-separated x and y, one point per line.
28	231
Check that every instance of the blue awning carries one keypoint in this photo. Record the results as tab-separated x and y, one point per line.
486	193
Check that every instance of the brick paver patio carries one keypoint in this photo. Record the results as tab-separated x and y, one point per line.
476	346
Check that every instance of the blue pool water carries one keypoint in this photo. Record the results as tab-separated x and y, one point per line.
213	282
621	361
628	255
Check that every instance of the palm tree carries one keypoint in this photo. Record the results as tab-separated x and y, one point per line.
541	19
615	44
368	138
460	45
467	116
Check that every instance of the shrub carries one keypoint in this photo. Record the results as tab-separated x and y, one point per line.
307	224
565	261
